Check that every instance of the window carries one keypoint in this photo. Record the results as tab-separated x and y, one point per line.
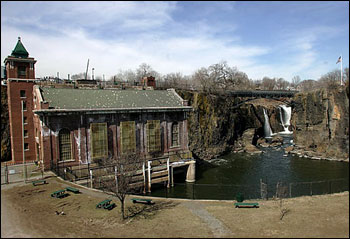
128	139
25	120
65	145
99	144
175	134
22	93
153	135
25	133
26	146
22	71
24	105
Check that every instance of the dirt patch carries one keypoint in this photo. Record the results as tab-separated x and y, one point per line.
29	211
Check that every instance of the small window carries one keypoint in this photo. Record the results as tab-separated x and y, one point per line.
22	93
26	146
25	133
25	120
24	105
22	72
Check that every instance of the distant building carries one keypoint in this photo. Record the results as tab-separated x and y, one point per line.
148	81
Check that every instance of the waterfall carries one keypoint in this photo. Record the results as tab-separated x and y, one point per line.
285	114
267	129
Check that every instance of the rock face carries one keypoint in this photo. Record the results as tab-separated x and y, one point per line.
5	127
221	123
321	122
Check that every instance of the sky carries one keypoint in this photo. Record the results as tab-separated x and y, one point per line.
264	38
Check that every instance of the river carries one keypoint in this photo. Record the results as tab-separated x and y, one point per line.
224	177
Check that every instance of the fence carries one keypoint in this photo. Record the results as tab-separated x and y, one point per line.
258	191
18	172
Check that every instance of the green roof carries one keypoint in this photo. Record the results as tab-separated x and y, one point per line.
20	50
66	98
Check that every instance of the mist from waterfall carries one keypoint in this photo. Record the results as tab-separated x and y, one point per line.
285	115
267	128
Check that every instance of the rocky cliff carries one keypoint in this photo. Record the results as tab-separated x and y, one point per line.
321	123
219	123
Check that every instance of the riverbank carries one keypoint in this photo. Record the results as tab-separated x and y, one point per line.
29	211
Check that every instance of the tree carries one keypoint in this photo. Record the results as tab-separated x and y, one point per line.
295	81
268	83
125	171
281	84
330	80
221	77
145	70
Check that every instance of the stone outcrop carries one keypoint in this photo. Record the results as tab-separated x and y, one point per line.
321	123
219	123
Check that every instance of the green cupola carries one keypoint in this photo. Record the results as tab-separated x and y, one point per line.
20	50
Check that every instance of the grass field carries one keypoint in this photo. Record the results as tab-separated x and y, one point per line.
30	211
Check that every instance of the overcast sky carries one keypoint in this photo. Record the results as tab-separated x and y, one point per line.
274	39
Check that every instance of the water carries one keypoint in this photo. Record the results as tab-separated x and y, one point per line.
223	178
285	114
267	128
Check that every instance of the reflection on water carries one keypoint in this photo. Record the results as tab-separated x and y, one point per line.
233	172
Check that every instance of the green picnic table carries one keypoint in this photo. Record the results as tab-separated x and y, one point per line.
74	190
59	194
246	204
106	204
37	182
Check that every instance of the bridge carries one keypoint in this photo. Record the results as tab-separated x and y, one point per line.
263	93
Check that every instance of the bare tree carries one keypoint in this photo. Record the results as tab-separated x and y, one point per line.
282	192
145	70
268	83
127	169
282	84
330	80
221	77
295	81
307	85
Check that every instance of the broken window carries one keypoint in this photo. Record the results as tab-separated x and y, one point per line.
99	142
128	139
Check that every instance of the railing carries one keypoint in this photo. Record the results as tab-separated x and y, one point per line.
258	191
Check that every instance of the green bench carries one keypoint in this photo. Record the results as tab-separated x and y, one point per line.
246	205
38	182
74	190
59	194
142	200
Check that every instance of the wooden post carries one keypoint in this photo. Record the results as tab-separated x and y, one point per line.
168	168
149	176
116	178
172	176
90	178
144	177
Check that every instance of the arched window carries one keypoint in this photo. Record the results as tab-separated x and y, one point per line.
65	145
175	134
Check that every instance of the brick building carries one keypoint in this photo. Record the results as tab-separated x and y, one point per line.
20	76
64	127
